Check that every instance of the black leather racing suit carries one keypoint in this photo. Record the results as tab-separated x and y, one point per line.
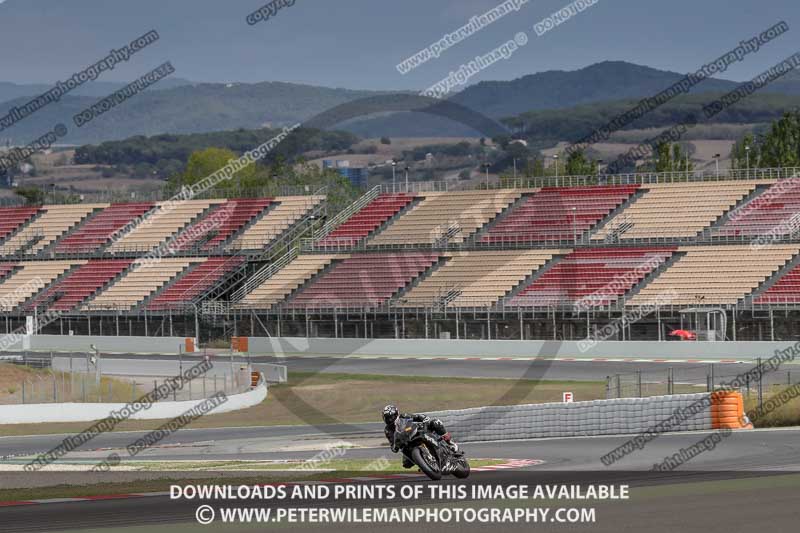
433	425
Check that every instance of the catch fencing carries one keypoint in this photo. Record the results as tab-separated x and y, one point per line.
63	384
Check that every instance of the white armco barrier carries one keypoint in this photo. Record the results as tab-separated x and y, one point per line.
87	412
598	417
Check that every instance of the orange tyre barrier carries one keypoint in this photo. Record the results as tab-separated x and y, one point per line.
255	377
240	344
727	411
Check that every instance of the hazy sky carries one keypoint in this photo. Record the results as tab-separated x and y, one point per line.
357	43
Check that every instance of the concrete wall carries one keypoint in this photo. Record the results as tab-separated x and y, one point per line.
106	344
87	412
462	348
599	417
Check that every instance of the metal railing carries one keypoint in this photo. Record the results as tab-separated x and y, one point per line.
687	379
54	386
264	274
346	213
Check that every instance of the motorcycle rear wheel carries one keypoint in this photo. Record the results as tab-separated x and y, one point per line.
432	471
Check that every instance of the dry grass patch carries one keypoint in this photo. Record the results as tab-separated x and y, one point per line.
314	398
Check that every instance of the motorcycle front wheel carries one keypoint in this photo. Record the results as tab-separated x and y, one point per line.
462	470
426	462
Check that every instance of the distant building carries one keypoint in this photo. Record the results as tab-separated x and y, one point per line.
358	176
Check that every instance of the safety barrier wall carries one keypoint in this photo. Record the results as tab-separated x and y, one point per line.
106	344
744	350
87	412
598	417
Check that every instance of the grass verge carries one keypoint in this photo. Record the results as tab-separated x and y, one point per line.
787	414
315	398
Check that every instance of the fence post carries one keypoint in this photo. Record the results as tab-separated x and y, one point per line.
133	391
204	387
23	391
712	377
619	387
55	389
669	380
639	381
760	385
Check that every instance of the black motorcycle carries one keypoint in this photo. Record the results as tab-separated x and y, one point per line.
429	452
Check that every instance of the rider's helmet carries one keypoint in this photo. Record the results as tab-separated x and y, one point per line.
390	414
438	427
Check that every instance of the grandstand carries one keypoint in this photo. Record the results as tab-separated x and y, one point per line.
526	262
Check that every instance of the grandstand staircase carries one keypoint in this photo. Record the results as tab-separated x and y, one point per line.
31	241
441	303
708	233
290	241
345	214
109	283
127	228
310	281
50	249
391	220
264	273
235	235
663	267
532	278
293	236
8	269
197	218
48	293
170	282
397	298
22	227
473	239
616	227
772	280
227	279
443	241
617	230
